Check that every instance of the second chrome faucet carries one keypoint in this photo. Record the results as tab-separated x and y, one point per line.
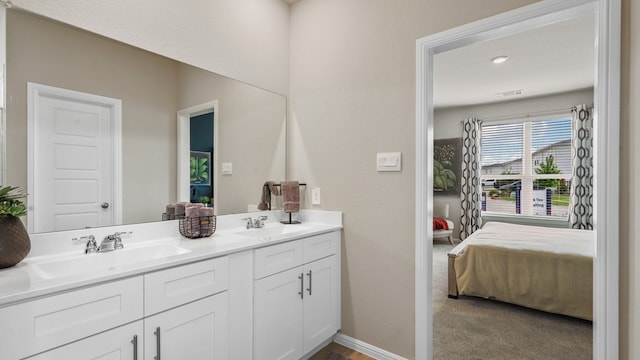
256	223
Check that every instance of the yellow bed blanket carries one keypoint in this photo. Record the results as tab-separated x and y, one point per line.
536	267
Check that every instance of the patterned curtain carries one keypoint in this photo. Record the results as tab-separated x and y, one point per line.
581	204
471	194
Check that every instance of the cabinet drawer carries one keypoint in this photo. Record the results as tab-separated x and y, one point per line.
169	288
123	343
38	325
319	246
276	258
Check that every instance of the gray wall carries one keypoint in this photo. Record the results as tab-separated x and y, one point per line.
352	96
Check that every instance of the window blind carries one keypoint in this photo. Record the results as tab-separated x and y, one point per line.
526	167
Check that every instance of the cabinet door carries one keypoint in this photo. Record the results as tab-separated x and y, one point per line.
320	301
278	316
118	344
198	330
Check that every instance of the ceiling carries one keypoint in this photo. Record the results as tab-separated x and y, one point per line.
551	59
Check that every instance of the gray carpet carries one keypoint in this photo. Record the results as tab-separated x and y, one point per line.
474	328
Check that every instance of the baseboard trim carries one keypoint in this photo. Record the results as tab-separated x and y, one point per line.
365	348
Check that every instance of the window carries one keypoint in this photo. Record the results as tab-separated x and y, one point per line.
526	167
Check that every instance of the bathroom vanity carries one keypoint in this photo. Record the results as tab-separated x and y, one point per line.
268	293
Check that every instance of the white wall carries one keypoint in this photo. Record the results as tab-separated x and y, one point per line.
247	40
447	124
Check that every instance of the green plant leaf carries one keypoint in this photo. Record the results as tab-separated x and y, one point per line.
10	203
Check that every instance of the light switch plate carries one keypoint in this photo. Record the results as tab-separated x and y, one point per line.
389	161
227	168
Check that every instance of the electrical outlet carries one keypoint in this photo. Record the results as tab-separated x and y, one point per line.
315	196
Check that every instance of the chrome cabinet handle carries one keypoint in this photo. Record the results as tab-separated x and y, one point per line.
157	334
309	288
301	292
134	341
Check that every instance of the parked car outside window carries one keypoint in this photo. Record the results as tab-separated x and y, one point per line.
517	185
488	182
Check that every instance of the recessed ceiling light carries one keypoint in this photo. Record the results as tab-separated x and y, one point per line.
499	59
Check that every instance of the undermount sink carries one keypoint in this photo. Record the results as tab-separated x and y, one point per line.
272	230
106	261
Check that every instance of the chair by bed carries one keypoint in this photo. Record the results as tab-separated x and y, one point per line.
442	211
537	267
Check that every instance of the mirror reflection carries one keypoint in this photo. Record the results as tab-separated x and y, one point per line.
249	123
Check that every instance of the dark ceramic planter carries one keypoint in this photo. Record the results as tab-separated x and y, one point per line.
14	241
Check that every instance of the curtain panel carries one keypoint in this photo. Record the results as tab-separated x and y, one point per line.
471	192
581	202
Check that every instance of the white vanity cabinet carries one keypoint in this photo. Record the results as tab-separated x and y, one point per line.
296	296
179	313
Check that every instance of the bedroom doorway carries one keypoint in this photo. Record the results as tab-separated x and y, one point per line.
184	184
606	100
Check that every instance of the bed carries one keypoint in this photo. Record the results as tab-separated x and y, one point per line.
541	268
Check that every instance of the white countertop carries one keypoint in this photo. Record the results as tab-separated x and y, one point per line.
24	281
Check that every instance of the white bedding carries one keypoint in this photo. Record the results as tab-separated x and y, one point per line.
523	237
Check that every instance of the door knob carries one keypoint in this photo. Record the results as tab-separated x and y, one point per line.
105	205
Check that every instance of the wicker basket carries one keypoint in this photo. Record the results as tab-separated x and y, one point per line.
195	227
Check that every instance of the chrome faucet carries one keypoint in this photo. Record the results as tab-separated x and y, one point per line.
91	246
256	223
112	242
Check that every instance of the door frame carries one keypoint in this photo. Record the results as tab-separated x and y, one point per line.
34	92
184	148
606	131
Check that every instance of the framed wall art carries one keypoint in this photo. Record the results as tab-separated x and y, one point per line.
447	166
200	164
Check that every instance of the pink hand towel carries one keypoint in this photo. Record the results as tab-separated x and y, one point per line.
192	209
290	196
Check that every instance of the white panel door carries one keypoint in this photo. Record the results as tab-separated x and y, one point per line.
72	166
320	301
278	316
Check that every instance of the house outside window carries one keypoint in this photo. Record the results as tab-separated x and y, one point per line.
526	167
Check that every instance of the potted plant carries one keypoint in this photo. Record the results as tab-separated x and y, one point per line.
204	200
14	239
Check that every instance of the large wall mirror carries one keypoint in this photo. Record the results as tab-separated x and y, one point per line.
250	122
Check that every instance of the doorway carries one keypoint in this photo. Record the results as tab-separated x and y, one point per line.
606	94
73	159
201	147
185	189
